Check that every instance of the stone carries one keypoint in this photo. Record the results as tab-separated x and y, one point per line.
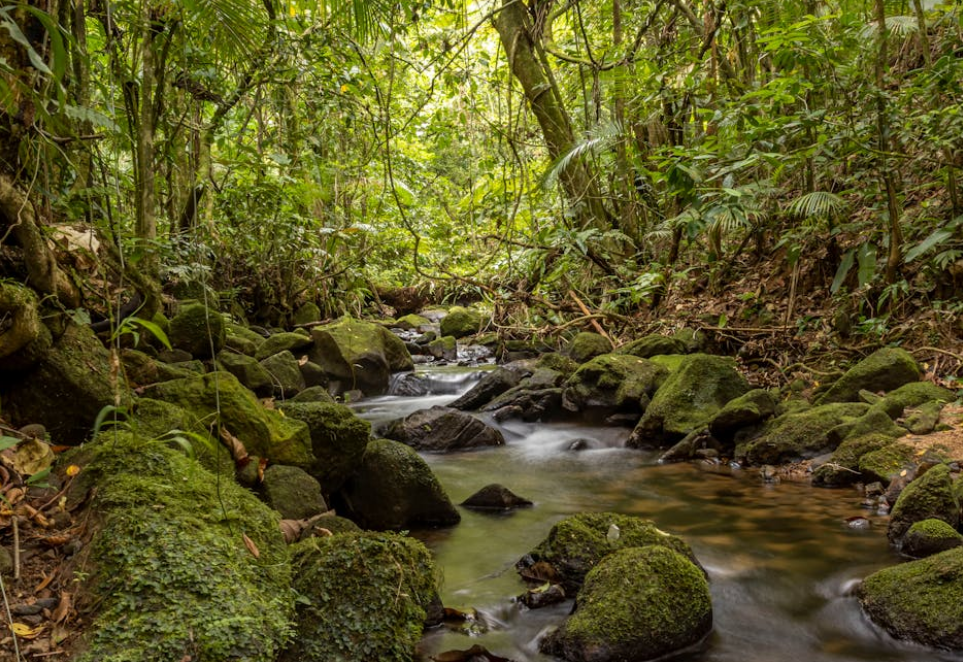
413	322
359	355
639	603
248	371
306	313
286	341
140	369
491	385
313	394
395	489
156	419
292	492
748	410
528	405
587	345
242	339
442	429
613	383
884	370
924	418
198	330
313	374
338	440
913	394
842	468
461	322
495	497
688	399
445	348
928	537
329	525
921	601
286	377
654	345
799	434
929	496
887	462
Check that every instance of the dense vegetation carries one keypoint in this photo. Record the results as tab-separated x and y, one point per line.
795	155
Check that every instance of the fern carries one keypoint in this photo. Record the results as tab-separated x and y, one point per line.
818	204
601	137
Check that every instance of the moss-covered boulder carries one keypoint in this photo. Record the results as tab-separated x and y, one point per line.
639	603
461	322
263	432
929	537
395	489
587	345
688	399
445	348
292	492
365	596
887	462
576	544
140	369
874	421
248	371
913	394
883	370
284	341
314	394
843	466
413	322
286	377
923	419
653	345
613	382
24	339
241	339
921	601
306	313
173	576
929	496
66	389
198	330
338	440
746	411
359	355
442	429
800	434
179	428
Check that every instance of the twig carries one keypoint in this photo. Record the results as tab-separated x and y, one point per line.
16	547
588	314
941	351
6	605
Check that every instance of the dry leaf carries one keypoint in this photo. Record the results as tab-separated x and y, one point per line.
304	359
291	529
62	611
235	446
56	541
251	547
25	631
268	403
261	466
32	456
59	634
44	583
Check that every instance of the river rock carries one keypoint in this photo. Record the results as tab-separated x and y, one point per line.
929	537
746	411
495	497
653	345
461	322
887	462
587	345
799	434
338	440
292	492
248	371
883	370
528	405
286	341
395	489
491	385
359	355
198	330
442	429
156	419
367	597
929	496
314	394
688	399
920	600
313	374
577	543
923	419
842	468
445	348
613	383
413	322
286	377
913	394
242	340
639	603
140	369
306	313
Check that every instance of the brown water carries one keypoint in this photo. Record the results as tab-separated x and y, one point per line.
781	558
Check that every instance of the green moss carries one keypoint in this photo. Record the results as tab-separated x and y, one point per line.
614	381
412	321
749	409
587	345
935	528
801	434
887	462
248	371
928	496
338	440
359	354
173	576
306	313
461	322
198	330
140	369
654	345
155	419
638	603
285	374
914	395
243	339
883	370
843	466
921	600
670	362
557	362
443	348
365	596
279	342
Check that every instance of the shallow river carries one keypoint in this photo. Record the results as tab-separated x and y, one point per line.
781	557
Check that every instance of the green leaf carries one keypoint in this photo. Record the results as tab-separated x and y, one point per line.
8	442
844	266
866	256
155	330
17	35
931	242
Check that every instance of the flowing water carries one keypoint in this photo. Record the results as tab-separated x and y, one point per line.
781	557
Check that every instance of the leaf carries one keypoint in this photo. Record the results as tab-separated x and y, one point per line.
8	442
932	241
25	631
844	266
234	445
251	547
32	457
17	35
866	257
62	611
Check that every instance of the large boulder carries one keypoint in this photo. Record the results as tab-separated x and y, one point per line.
263	432
577	543
930	536
66	389
639	603
284	341
883	370
461	322
338	440
587	345
613	383
365	596
913	394
286	378
490	386
395	489
198	330
653	345
292	492
688	399
242	339
800	434
359	355
929	496
442	429
248	371
887	462
746	411
920	600
306	313
140	369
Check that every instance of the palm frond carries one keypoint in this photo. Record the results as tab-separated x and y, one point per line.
897	25
235	27
817	204
602	136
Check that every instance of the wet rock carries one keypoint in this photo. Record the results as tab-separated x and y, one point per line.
314	394
280	342
923	419
141	369
313	374
887	462
921	601
639	603
442	429
654	345
587	345
528	405
413	322
929	537
286	378
292	492
801	434
613	383
359	355
692	445
490	386
929	496
581	444
461	322
884	370
747	410
445	348
542	596
843	465
394	489
410	384
913	394
495	497
198	330
248	371
338	440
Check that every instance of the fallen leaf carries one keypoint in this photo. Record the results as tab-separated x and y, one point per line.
251	547
56	541
291	529
59	634
25	631
44	583
235	446
261	466
33	456
62	611
303	360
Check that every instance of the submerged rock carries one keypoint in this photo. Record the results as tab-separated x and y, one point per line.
883	370
495	497
442	429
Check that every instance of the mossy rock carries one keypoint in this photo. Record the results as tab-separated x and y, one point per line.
248	371
24	339
241	339
557	362
338	440
929	537
306	313
332	524
921	601
285	372
314	394
694	339
587	345
688	399
444	348
923	419
395	489
173	577
874	421
654	345
490	386
442	429
887	462
461	322
613	382
800	434
671	362
747	410
140	369
577	543
263	432
365	596
843	466
163	421
914	395
198	330
66	389
280	342
359	355
884	370
292	492
930	496
639	603
412	322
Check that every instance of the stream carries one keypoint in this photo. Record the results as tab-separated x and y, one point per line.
781	557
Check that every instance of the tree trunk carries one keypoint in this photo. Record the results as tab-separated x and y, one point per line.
885	166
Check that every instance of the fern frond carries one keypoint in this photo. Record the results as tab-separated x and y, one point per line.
602	136
817	204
